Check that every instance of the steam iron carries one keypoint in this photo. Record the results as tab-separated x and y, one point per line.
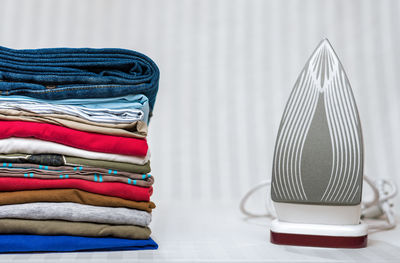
318	160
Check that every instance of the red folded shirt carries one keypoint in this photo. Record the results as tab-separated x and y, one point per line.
125	191
79	139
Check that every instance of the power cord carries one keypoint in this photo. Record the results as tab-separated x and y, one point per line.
379	208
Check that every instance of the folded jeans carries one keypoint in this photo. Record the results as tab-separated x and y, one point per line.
77	73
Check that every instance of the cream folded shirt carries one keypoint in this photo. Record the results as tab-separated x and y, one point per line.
33	146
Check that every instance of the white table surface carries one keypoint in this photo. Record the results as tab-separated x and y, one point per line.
211	232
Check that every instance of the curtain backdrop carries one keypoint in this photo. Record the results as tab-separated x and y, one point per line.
227	68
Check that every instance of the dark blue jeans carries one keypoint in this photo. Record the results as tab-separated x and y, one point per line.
61	73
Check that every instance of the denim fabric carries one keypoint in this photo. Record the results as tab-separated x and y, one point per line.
77	73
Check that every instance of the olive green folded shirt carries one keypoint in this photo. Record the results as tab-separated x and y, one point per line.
58	227
128	167
75	161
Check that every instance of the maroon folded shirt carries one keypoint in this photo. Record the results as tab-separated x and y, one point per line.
79	139
125	191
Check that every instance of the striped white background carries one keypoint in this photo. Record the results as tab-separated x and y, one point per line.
227	68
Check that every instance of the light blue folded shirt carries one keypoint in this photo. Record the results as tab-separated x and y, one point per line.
139	102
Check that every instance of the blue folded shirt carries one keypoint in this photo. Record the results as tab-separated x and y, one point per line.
40	243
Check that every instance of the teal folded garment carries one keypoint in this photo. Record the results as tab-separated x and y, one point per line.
39	243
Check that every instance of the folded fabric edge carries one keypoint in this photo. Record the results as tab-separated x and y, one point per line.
46	244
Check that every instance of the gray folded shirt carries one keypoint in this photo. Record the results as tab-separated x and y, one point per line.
76	212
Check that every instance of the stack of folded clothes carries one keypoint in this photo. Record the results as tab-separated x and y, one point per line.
74	160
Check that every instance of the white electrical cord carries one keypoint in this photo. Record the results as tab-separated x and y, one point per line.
380	207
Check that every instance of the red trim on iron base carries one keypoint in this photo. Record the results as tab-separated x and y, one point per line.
318	241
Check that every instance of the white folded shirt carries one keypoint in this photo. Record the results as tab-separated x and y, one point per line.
35	146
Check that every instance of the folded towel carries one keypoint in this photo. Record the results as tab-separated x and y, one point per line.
77	73
40	243
126	191
76	212
71	195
